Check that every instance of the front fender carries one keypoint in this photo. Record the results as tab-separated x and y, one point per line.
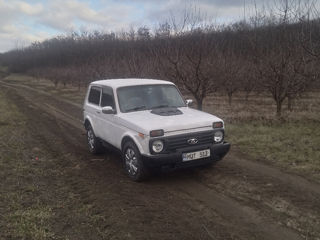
141	143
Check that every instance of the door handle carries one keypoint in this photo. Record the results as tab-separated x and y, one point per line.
98	111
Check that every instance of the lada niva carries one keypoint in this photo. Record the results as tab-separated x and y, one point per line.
152	126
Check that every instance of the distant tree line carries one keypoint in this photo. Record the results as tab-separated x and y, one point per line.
278	52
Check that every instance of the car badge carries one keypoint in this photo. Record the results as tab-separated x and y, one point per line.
193	141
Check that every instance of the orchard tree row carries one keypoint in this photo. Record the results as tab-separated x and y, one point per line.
277	52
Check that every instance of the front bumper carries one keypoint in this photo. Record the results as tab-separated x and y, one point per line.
218	151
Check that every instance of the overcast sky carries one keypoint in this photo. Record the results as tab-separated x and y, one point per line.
26	21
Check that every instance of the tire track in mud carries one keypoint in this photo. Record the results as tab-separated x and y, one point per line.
299	183
236	216
39	91
245	218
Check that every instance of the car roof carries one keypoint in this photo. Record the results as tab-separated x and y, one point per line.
124	82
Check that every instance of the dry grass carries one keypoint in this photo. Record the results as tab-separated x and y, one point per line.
293	146
291	143
21	218
3	71
262	107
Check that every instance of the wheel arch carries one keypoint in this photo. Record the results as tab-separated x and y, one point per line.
127	138
87	123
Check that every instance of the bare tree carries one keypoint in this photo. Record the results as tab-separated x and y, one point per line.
278	53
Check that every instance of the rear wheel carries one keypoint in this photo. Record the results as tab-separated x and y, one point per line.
94	143
133	162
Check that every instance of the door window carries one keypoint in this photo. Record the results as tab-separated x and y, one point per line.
107	97
94	95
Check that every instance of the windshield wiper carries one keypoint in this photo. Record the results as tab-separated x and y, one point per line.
136	108
160	106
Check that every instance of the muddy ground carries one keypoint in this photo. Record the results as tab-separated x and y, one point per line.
238	198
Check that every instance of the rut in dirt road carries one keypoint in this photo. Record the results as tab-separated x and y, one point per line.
222	210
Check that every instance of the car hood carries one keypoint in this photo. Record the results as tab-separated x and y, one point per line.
145	121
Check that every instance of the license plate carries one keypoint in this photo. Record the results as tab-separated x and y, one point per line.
195	155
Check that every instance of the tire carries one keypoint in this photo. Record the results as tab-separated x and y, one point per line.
133	163
94	143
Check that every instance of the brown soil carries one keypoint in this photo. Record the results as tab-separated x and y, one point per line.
238	198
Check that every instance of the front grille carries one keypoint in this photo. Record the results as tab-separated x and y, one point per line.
181	141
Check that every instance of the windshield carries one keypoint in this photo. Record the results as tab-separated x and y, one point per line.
144	97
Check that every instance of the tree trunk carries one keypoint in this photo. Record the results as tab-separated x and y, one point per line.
279	108
199	103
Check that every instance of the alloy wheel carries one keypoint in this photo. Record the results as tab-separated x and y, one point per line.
90	136
131	161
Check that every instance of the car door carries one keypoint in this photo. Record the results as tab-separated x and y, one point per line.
107	123
93	108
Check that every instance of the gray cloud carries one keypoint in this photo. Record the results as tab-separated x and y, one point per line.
13	31
20	20
215	10
66	15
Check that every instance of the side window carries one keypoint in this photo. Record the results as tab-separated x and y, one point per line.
107	97
94	95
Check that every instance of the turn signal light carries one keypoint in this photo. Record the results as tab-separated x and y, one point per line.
141	135
217	125
156	133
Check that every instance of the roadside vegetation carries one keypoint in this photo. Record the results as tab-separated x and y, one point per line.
18	180
292	146
3	71
276	51
291	143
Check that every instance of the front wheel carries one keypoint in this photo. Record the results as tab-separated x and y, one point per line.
133	162
94	143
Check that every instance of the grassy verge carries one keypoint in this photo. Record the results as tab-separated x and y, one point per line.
3	71
21	216
290	145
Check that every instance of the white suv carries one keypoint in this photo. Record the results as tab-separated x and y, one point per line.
151	124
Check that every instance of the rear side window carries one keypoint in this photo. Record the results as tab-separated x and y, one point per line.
107	97
94	95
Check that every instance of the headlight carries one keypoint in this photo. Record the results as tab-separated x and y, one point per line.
156	133
218	136
157	146
217	125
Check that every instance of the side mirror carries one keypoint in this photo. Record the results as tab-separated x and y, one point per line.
189	102
108	110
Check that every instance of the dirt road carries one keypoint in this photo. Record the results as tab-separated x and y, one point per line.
236	199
